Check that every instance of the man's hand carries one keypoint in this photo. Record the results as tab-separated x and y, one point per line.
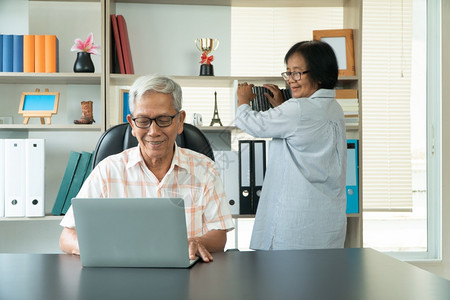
212	241
196	248
68	241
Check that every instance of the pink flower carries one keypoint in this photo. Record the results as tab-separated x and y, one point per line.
85	46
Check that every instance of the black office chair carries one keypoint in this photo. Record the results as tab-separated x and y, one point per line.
119	138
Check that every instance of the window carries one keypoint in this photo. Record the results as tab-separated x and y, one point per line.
395	125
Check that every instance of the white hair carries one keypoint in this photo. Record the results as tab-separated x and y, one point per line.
154	84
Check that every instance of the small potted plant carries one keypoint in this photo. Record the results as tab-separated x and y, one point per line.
84	49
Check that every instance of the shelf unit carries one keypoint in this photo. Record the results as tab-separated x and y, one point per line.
62	136
135	9
166	42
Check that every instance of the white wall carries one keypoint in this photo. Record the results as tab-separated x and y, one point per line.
151	26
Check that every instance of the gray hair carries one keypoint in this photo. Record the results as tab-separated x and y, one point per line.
154	84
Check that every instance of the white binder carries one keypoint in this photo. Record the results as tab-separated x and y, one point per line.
259	148
34	177
245	178
227	163
14	178
2	178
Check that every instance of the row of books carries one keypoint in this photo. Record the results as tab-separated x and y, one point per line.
348	99
22	177
77	170
29	53
122	62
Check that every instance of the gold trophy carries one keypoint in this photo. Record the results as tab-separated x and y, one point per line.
206	46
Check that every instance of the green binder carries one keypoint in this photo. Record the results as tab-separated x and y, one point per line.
65	183
89	169
78	179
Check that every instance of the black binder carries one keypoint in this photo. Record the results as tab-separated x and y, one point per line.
252	168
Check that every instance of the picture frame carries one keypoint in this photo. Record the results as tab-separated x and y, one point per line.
124	109
342	42
39	104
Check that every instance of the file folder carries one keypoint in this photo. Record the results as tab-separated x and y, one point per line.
65	183
2	178
35	177
352	179
14	178
78	179
252	168
227	163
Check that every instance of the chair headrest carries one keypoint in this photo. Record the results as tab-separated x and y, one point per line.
119	138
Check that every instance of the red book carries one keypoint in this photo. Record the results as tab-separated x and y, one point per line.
118	46
125	43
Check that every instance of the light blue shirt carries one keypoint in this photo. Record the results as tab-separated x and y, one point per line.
303	200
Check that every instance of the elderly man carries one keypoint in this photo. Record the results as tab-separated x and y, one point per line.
157	167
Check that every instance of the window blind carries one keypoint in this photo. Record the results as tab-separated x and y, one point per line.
386	109
260	37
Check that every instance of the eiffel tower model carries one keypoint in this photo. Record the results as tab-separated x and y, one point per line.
216	118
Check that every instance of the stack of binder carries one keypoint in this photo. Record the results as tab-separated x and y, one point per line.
22	177
77	170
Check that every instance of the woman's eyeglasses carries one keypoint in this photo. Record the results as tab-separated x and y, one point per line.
295	75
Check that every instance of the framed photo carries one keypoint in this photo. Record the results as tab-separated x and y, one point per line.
39	104
341	40
124	109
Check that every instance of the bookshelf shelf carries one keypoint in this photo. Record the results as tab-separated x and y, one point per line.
34	219
209	81
49	78
73	127
243	3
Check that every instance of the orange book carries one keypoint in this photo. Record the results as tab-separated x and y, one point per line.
28	53
39	53
51	54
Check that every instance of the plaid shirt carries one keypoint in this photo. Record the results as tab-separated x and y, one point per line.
191	176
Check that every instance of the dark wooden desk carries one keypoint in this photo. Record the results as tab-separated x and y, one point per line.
305	274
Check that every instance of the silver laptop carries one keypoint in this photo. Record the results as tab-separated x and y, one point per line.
132	232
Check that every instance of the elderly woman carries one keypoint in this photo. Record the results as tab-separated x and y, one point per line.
303	199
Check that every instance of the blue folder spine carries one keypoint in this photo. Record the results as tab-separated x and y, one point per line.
352	179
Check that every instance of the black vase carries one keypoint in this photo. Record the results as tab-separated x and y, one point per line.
83	63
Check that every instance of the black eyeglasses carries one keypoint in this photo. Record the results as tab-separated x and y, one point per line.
295	75
161	121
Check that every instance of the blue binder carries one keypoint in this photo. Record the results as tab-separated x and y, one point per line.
352	180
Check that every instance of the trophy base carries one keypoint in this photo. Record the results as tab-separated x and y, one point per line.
206	70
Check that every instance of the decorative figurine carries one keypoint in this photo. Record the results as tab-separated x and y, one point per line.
215	118
86	113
